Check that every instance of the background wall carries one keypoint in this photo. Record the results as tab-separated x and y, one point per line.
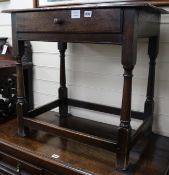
94	73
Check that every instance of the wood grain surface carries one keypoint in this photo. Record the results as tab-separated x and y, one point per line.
146	158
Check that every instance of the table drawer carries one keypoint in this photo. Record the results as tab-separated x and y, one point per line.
60	21
11	165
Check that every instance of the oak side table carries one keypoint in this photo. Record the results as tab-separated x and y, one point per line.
114	23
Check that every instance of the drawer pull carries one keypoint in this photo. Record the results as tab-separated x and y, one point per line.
58	21
18	167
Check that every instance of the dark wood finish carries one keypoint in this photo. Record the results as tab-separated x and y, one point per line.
149	156
110	23
67	25
147	24
83	38
63	108
103	108
17	166
153	52
8	79
21	105
62	131
140	4
8	88
140	132
45	108
89	127
129	47
28	75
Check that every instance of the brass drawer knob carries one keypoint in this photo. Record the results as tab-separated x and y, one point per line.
58	21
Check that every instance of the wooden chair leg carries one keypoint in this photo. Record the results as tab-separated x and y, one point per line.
149	103
63	108
21	105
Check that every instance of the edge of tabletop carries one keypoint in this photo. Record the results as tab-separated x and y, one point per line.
146	5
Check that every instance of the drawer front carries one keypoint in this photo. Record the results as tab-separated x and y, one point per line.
60	21
11	165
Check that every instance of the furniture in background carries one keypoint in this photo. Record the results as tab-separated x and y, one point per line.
8	79
107	23
46	154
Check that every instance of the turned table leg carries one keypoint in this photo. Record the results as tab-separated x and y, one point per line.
63	108
129	54
149	103
124	132
21	105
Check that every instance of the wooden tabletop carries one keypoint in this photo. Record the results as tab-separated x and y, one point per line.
121	4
